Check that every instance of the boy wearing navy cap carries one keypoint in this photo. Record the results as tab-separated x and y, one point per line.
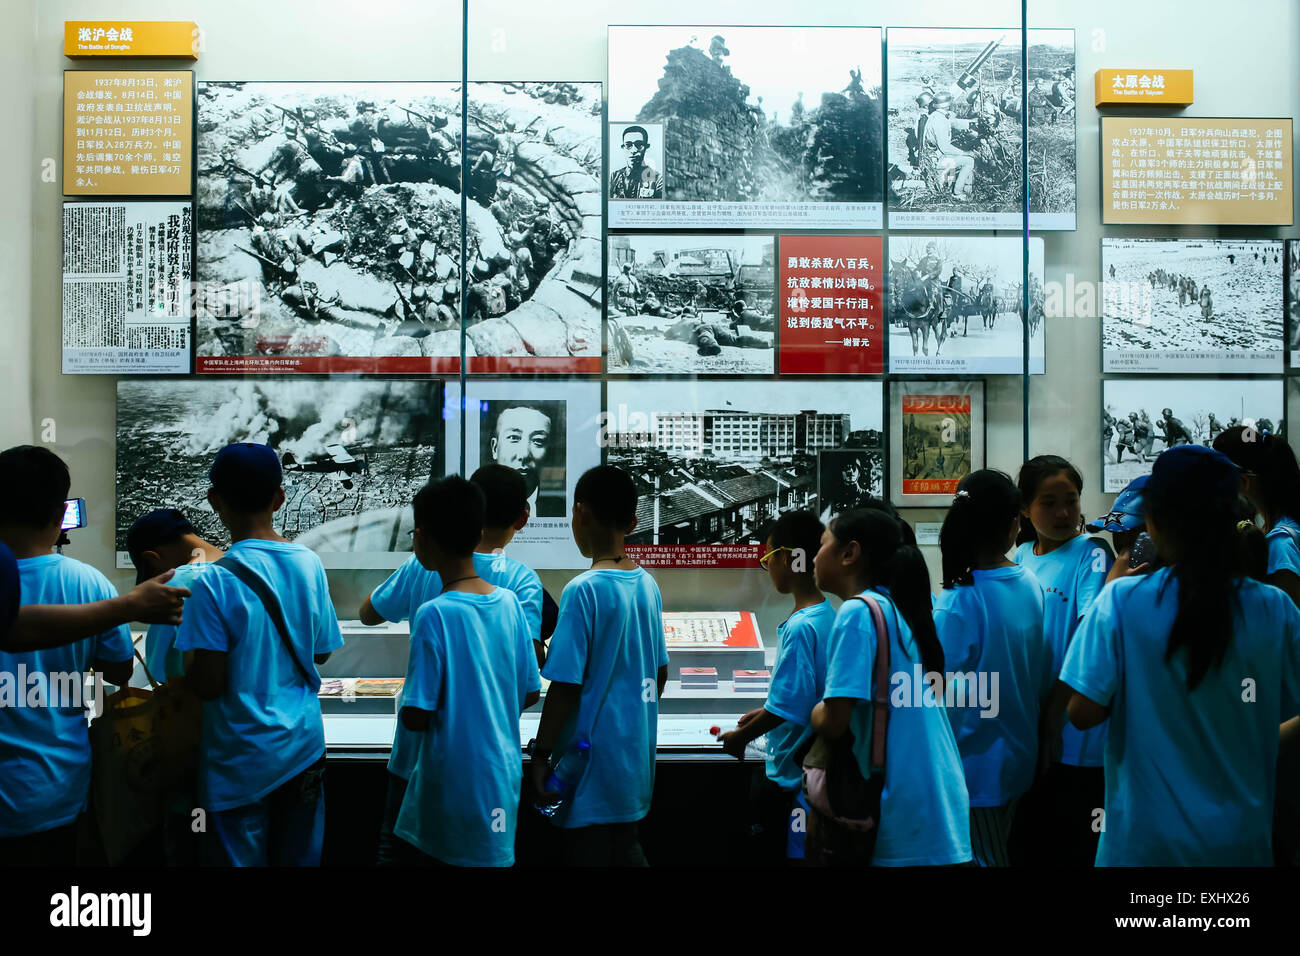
255	624
159	541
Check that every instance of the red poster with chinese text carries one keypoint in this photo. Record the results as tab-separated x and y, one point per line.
936	443
830	306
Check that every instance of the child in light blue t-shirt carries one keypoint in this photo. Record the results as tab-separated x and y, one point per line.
924	817
608	664
1195	665
262	759
798	678
45	758
989	618
1056	823
413	585
471	672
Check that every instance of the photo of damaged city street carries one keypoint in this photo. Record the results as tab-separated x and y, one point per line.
329	221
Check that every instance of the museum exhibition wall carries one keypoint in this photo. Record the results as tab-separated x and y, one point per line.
702	252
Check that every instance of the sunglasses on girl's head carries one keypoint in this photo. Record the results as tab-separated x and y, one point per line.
762	562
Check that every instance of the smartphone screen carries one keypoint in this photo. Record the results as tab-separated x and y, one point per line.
74	513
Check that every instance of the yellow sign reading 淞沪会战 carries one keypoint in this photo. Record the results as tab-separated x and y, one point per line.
1145	87
159	38
128	132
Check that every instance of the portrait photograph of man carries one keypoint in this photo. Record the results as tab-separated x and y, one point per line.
640	148
529	436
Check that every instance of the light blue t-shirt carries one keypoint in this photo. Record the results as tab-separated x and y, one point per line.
1071	576
165	662
924	811
798	678
609	637
413	585
1284	547
45	750
472	665
994	646
1190	774
266	728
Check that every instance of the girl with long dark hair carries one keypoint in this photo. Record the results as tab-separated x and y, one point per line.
1195	665
989	618
924	813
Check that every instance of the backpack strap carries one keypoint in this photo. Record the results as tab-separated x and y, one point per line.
880	683
253	581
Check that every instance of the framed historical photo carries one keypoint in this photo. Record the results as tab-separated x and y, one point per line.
955	305
354	453
1293	302
1192	305
768	127
1141	417
955	113
936	438
690	303
715	460
329	227
549	431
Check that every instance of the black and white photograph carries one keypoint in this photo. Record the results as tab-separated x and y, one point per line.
550	431
689	303
956	304
1192	305
1141	417
329	225
354	453
1293	300
762	127
956	98
528	435
848	477
715	460
637	161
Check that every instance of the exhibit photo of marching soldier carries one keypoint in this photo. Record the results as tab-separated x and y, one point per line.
1141	418
690	303
714	461
329	224
352	453
955	303
772	115
1192	305
955	128
1293	299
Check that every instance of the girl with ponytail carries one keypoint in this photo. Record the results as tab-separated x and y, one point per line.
924	813
1196	665
989	619
1055	825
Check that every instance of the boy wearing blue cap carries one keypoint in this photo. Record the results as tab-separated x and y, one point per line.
255	624
159	541
1126	522
44	745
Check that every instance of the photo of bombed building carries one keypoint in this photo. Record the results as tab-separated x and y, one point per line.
328	219
718	475
690	303
353	454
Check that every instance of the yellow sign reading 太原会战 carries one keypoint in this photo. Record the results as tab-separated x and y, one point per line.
128	132
1206	170
1145	87
159	38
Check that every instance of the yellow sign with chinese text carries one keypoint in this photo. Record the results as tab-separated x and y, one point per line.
131	38
128	132
1147	87
1179	170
